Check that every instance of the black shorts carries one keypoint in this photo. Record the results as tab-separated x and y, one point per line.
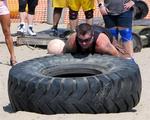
31	5
122	20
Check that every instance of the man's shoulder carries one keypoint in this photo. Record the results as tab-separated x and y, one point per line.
71	40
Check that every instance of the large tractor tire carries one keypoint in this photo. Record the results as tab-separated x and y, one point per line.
75	84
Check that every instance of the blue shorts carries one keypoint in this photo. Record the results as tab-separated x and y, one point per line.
122	20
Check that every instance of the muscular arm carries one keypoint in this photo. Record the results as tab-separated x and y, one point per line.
70	44
103	45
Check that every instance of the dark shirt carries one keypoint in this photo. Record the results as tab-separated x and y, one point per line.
96	31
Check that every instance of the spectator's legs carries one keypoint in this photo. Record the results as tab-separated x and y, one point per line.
125	30
126	37
5	23
89	16
73	24
73	17
128	46
56	18
23	15
114	32
30	25
30	19
121	24
31	12
89	21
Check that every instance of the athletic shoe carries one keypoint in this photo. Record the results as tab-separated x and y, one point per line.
21	29
30	31
54	32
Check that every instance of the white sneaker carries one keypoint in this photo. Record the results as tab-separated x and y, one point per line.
21	28
30	31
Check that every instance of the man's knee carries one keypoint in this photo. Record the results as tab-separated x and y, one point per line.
126	34
88	14
73	14
114	32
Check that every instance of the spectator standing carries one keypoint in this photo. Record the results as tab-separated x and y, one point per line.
29	16
117	15
74	7
58	6
5	23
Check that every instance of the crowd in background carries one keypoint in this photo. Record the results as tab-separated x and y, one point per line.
118	19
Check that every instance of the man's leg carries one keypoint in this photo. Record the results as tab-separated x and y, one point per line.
73	23
89	16
89	21
30	19
30	25
31	12
129	47
88	7
23	15
125	30
73	19
114	32
126	37
56	18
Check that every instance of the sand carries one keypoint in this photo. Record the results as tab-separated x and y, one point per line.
140	112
